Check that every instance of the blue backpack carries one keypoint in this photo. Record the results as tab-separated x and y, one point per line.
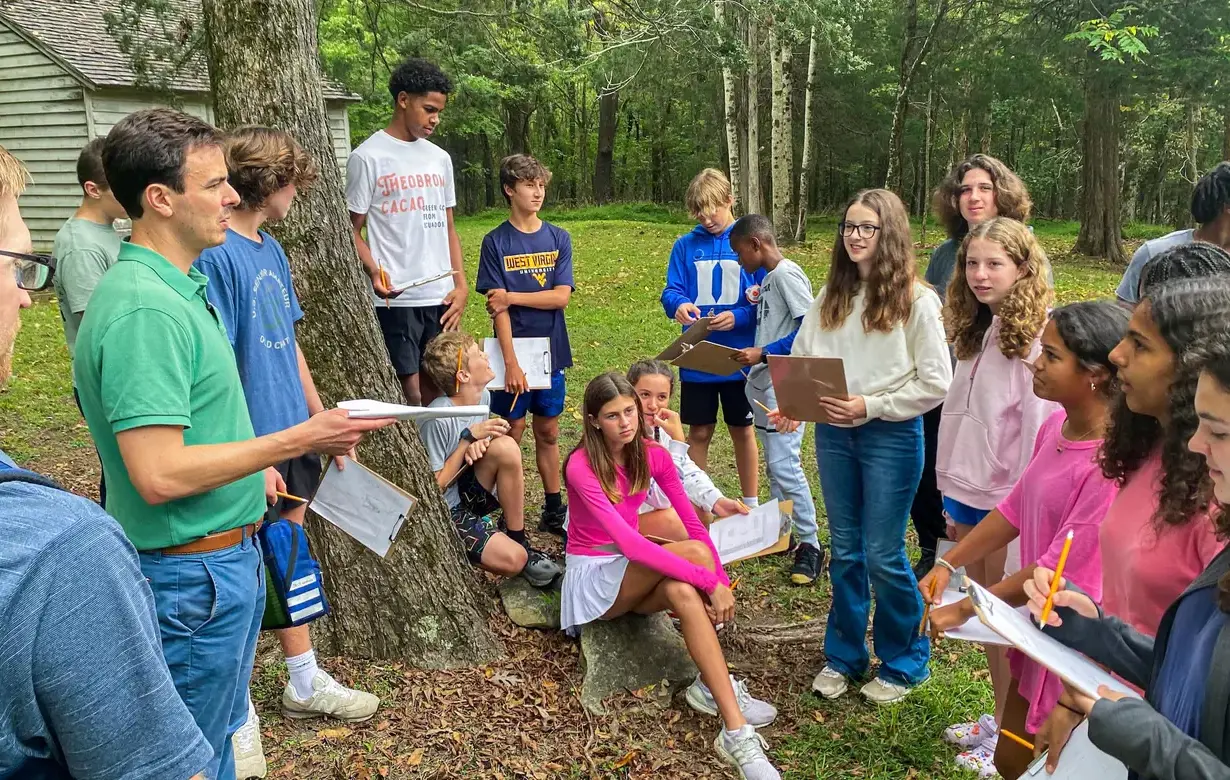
294	589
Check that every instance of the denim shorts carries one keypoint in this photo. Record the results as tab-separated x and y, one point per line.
548	402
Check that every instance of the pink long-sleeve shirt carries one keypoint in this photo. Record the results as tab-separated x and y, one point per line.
594	521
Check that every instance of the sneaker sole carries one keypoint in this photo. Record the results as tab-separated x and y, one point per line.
250	768
830	696
293	715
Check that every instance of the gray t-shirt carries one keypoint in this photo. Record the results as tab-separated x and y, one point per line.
785	297
441	436
83	250
1129	286
85	691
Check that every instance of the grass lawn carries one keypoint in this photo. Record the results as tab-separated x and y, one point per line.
520	718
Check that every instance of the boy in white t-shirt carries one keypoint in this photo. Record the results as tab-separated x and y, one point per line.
399	186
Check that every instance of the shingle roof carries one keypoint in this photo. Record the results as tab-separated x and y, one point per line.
76	32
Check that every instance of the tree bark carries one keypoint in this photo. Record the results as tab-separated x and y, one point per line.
782	143
1099	202
912	53
604	162
422	603
731	103
1225	134
755	198
809	126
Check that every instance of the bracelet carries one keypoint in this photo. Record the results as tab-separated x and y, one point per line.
946	565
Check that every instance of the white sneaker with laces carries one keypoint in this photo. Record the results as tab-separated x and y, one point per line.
830	683
758	713
745	752
881	691
246	745
329	699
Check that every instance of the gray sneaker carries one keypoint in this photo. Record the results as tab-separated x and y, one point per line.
745	752
758	713
540	570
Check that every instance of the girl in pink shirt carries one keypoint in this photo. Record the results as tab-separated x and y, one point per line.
613	570
1061	490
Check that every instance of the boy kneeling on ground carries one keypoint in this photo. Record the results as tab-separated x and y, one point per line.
477	465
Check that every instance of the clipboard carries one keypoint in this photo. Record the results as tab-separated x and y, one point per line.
1080	760
368	507
695	333
800	382
709	358
533	355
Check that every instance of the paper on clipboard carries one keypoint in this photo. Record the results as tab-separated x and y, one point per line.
742	536
709	358
365	408
695	333
363	504
398	289
1080	760
972	630
1021	631
800	382
533	355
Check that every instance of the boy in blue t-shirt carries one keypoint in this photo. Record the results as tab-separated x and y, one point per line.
525	270
250	289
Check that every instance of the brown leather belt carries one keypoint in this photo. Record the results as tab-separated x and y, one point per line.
213	542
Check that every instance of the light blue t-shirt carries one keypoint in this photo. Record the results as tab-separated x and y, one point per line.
250	287
85	690
1129	286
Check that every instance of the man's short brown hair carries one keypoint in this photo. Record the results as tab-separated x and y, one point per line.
710	190
263	160
444	357
13	174
521	167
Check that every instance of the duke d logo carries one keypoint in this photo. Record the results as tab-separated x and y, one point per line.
541	278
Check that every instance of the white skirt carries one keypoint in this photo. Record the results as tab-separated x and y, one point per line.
591	585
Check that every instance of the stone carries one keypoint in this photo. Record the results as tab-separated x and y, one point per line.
630	653
528	606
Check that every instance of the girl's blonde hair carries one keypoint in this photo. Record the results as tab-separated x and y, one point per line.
1024	309
601	390
890	285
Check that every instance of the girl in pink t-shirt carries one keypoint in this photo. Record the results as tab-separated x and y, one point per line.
1061	490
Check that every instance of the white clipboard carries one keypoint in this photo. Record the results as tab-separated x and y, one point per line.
1080	760
534	356
363	504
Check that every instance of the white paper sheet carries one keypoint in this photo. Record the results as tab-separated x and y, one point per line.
363	504
1023	633
739	536
420	282
534	356
1080	760
367	409
972	630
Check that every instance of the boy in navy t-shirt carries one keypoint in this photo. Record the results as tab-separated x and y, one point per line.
525	270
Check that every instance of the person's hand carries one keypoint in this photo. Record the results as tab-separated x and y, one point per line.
932	586
725	507
669	421
687	313
340	460
1055	733
274	484
721	607
335	432
844	411
497	302
1039	588
950	617
490	428
750	356
456	303
476	451
782	423
514	378
724	321
381	284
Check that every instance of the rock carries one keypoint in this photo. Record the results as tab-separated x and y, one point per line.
528	606
629	653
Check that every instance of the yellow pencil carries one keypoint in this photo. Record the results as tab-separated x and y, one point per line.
516	395
927	608
384	279
1022	742
460	354
767	410
280	494
1050	598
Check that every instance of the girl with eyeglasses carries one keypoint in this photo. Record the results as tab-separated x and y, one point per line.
885	325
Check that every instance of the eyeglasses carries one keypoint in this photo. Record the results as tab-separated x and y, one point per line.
864	231
33	272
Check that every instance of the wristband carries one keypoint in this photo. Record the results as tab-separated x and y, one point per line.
468	435
946	565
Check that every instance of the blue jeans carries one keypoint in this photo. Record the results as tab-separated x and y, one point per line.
782	460
868	476
209	615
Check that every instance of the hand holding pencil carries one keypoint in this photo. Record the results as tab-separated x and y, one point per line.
1039	589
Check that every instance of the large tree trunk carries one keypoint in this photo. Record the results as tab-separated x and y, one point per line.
730	99
781	49
422	603
755	198
604	163
518	127
1099	201
809	127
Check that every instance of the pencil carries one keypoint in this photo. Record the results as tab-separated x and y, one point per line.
1050	598
460	354
927	608
1022	742
762	406
516	395
292	498
384	279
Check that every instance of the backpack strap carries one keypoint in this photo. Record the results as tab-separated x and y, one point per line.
21	475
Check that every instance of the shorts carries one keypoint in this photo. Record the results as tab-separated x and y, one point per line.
407	329
472	515
963	514
541	403
302	476
698	403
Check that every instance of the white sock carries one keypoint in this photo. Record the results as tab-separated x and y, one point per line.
751	501
732	735
302	669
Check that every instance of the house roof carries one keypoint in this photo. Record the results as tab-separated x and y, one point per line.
74	33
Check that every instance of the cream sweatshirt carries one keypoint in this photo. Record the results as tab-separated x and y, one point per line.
900	374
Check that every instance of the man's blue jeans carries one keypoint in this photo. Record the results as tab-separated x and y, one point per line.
209	614
868	476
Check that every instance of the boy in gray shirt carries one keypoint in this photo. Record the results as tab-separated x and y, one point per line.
785	297
477	465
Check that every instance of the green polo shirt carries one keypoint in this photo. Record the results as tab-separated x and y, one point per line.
151	351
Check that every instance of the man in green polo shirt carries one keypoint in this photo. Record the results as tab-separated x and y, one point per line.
186	478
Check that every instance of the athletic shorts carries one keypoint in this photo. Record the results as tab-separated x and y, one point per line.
472	516
698	403
407	329
302	476
963	514
540	403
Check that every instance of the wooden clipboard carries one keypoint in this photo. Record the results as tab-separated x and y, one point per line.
709	358
695	334
800	382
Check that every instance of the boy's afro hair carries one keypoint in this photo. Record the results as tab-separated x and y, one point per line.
417	76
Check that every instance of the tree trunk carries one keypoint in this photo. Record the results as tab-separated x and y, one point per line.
912	53
1225	134
1191	165
925	199
809	127
422	604
518	127
1099	202
782	142
731	102
604	162
755	198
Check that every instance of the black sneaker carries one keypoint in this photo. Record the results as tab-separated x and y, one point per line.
552	520
926	562
808	563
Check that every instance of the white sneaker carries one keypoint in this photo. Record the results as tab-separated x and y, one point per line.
745	752
830	683
881	691
758	713
329	699
249	754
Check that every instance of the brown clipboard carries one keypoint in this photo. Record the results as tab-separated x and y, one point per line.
800	382
695	334
709	358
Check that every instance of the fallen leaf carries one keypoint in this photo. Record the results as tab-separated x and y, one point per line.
382	725
416	757
818	716
623	762
339	733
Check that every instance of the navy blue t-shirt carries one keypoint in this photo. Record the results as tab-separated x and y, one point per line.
529	263
1184	675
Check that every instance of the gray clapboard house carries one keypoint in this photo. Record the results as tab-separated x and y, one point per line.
64	81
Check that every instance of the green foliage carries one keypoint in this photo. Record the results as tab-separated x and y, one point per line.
1112	38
